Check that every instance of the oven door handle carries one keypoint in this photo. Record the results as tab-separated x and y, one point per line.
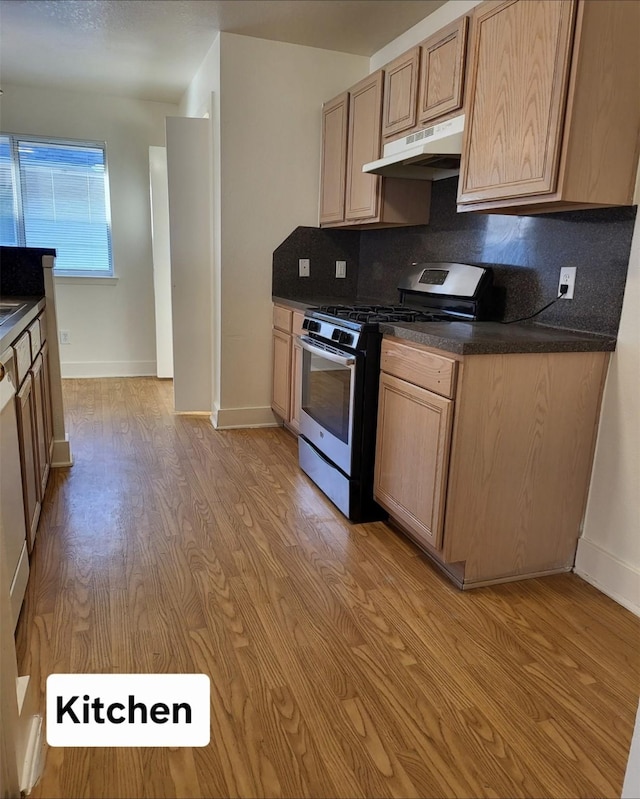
310	345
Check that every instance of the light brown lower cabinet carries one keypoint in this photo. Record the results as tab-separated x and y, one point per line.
27	437
287	366
281	391
35	420
491	480
415	430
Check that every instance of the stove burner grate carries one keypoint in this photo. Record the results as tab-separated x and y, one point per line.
380	313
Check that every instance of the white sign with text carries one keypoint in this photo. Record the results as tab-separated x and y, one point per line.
128	710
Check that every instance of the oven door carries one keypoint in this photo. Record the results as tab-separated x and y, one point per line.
328	391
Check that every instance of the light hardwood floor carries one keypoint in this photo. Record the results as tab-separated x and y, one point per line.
342	664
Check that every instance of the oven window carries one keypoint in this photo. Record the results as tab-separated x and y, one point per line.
326	394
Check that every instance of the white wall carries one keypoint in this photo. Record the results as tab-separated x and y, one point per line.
609	551
188	155
159	195
111	322
202	98
267	184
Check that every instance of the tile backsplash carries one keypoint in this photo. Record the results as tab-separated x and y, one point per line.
526	254
323	248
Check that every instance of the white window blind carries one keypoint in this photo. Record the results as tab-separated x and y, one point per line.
61	200
8	211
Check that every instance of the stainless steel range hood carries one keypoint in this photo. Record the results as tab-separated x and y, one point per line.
429	154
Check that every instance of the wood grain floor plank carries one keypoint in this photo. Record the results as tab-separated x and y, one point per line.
341	662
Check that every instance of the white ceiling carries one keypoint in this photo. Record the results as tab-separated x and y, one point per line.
152	48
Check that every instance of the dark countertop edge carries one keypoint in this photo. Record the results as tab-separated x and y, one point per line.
9	248
566	341
10	331
302	305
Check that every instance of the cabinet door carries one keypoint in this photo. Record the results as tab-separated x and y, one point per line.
412	456
516	99
365	114
281	392
442	71
40	426
401	93
333	171
296	386
28	458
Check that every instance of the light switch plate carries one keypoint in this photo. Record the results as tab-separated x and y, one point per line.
303	267
341	268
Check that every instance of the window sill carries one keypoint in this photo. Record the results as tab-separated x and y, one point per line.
80	280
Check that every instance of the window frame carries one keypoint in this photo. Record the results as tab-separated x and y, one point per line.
18	178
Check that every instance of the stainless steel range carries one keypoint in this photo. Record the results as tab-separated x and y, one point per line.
340	373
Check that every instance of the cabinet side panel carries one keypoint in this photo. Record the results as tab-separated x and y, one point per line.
600	149
296	386
521	461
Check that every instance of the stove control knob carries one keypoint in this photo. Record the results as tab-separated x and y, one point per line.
335	336
313	326
346	338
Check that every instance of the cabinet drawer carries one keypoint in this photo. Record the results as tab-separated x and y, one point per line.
22	349
422	368
36	341
282	318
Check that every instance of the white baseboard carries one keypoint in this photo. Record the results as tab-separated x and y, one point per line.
61	455
108	368
34	755
234	418
615	578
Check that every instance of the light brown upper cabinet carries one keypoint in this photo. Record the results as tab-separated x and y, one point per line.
427	82
334	158
363	145
401	93
349	197
552	113
442	71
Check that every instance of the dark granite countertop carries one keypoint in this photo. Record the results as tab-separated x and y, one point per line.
14	325
491	338
481	338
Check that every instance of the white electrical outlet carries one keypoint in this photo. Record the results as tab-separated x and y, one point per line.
567	278
303	267
341	268
65	337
